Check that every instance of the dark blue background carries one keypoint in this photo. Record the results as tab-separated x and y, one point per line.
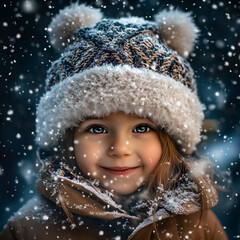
26	55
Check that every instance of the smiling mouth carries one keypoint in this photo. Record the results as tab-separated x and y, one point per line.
120	170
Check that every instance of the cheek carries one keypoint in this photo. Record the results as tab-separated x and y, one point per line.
87	155
150	154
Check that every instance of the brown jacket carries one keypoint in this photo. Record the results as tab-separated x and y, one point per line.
40	220
72	207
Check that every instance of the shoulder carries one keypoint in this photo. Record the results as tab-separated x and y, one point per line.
196	226
200	225
42	219
37	208
31	219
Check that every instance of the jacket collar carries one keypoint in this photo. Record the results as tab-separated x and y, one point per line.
79	195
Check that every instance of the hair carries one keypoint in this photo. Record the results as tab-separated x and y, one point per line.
169	167
172	165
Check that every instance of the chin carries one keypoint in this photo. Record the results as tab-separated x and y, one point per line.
121	190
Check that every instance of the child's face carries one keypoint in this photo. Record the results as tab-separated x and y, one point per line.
120	150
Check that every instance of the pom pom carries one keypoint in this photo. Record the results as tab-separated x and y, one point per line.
177	30
69	20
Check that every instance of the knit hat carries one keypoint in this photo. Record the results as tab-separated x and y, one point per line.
128	65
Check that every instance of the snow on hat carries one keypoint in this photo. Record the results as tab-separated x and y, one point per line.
129	65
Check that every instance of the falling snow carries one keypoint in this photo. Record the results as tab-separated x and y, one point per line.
26	54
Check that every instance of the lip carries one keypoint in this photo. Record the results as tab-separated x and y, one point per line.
120	171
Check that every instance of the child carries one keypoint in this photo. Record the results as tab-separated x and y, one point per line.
117	131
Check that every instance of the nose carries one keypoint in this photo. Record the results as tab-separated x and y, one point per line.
119	146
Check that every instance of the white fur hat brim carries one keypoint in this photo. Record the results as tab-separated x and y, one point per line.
102	90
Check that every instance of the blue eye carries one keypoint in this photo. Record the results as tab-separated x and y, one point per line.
142	129
97	130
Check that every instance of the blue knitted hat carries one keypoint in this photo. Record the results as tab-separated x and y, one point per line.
128	65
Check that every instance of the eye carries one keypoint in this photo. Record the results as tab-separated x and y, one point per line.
97	129
142	129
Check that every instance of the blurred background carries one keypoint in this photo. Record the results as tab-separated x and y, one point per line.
26	55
